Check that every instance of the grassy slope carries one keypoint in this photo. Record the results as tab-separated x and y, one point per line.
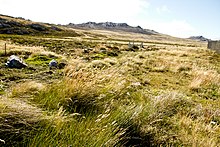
166	94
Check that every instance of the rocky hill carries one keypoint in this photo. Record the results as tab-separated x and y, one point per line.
113	27
21	26
11	25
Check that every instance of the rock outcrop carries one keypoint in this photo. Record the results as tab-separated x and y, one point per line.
113	27
11	25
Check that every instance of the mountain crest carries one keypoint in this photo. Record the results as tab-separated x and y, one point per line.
113	27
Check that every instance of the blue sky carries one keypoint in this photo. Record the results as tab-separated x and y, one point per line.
181	18
201	17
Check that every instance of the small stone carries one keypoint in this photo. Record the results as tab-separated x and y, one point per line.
86	51
213	122
2	141
53	64
103	50
136	84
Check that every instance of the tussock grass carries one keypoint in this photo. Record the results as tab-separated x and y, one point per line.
89	85
165	96
191	131
73	95
204	78
26	88
17	120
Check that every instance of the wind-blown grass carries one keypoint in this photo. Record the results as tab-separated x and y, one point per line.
163	97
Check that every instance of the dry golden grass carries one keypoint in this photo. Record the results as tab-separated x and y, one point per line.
141	37
191	131
26	88
21	108
204	78
138	98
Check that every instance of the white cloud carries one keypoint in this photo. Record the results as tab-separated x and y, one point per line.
177	28
76	11
163	9
133	12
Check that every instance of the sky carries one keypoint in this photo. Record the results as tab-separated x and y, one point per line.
180	18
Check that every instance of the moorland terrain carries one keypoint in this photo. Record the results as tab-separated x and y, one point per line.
115	88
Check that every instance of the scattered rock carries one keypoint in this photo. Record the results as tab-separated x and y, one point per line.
132	47
15	62
1	140
15	30
87	50
55	28
103	50
38	27
53	64
136	84
90	49
12	27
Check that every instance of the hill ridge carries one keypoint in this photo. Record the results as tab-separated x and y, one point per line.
113	26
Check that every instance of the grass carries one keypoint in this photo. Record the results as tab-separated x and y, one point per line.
164	95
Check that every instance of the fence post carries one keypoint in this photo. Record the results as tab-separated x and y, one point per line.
5	49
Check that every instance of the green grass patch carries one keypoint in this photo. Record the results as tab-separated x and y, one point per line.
42	60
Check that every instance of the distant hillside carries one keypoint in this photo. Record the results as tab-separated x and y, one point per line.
21	26
113	26
198	38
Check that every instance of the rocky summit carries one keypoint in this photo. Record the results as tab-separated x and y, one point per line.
113	27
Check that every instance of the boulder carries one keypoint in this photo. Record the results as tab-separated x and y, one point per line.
53	64
15	62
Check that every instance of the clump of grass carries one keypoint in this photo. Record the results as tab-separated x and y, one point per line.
2	88
26	89
77	94
156	127
111	61
196	132
204	78
63	130
136	99
172	103
183	68
99	64
15	52
18	119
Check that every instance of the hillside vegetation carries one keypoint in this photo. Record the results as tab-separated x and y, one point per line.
109	94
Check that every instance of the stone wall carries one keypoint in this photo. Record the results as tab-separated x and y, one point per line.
214	45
